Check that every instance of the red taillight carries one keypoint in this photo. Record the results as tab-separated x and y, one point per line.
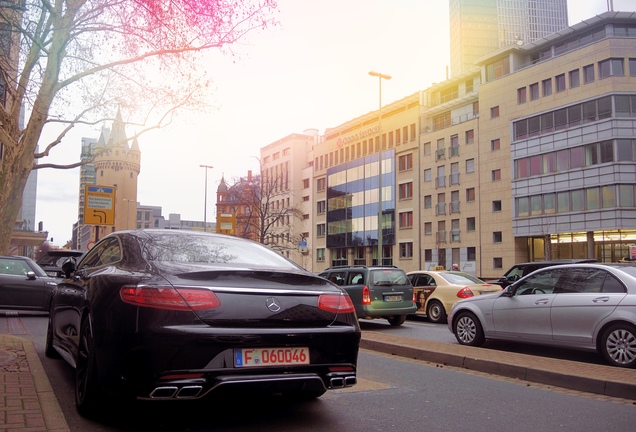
335	303
366	296
465	293
169	298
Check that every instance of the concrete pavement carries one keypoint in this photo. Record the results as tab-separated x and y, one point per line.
28	403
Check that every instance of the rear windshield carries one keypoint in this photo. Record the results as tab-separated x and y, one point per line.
389	277
461	278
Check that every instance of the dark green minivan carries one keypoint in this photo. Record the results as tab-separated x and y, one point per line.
376	292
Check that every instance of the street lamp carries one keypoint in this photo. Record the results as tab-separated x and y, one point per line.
127	212
380	252
205	199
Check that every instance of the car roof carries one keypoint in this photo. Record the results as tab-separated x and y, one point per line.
559	261
63	252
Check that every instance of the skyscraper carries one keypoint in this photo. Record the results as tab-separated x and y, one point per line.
478	27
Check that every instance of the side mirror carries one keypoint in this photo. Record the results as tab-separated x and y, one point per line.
30	275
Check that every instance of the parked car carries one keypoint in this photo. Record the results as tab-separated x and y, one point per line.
178	315
437	291
24	285
376	292
53	259
581	306
520	270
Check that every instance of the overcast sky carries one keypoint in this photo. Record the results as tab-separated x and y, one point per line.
311	72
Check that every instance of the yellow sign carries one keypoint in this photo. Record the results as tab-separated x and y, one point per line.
226	223
99	205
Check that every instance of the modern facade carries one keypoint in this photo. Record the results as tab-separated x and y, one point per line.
24	238
358	162
530	155
478	27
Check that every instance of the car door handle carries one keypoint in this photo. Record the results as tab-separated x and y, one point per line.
541	302
601	300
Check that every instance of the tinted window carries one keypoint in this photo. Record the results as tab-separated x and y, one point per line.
578	280
389	277
612	285
355	278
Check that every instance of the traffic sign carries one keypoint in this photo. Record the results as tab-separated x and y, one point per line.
99	205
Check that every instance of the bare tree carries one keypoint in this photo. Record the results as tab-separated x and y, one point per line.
267	213
76	62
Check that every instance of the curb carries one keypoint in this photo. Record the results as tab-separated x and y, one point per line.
590	378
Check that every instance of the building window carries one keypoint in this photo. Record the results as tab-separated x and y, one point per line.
471	253
588	74
575	79
406	250
321	184
470	136
413	132
321	230
495	145
427	148
406	219
547	86
428	201
632	67
497	263
494	112
397	137
427	175
470	224
496	175
428	228
322	207
496	206
470	195
469	86
320	254
405	162
610	67
470	165
534	91
521	95
560	83
405	134
406	190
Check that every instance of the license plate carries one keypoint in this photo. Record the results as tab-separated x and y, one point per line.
271	356
393	298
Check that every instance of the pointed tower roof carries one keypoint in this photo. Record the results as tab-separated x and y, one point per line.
222	186
135	145
118	133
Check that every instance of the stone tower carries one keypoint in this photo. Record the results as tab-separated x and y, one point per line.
118	164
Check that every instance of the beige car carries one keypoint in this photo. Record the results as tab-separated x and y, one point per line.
437	291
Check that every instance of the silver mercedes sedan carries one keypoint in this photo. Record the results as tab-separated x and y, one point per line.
590	307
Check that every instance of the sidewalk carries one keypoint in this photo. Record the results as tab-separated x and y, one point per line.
28	403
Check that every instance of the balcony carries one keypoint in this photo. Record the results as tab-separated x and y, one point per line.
440	209
440	154
440	236
440	182
454	178
454	207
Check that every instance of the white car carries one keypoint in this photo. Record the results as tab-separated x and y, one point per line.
437	291
582	306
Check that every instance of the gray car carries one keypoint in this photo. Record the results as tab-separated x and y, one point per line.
582	306
24	285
